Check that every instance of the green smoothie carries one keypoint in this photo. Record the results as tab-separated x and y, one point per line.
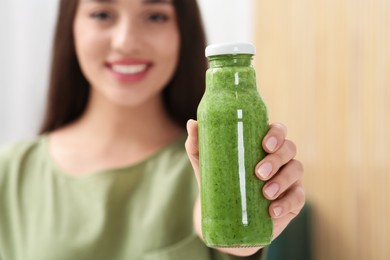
233	121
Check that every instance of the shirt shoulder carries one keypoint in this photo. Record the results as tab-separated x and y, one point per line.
15	156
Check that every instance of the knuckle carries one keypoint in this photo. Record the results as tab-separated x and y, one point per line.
296	200
190	146
277	159
281	127
278	130
292	148
298	166
285	154
187	143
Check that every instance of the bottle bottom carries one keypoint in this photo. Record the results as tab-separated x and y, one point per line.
221	240
227	234
236	246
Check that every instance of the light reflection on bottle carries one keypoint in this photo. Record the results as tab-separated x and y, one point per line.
241	165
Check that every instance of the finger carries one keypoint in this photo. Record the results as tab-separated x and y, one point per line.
290	204
274	138
274	161
192	146
291	173
286	208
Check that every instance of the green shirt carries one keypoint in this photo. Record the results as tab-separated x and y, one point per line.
143	211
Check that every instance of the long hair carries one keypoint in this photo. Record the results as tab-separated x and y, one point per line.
69	90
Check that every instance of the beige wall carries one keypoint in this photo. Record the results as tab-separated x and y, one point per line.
324	70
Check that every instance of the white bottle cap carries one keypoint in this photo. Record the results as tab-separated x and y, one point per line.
230	48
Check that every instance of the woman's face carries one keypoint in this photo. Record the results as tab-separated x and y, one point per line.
127	49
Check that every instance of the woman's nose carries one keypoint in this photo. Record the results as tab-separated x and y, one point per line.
127	38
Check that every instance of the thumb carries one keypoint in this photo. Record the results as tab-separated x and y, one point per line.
192	147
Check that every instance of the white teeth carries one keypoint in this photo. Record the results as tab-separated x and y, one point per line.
129	69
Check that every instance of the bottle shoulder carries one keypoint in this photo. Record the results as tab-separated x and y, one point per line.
232	78
225	102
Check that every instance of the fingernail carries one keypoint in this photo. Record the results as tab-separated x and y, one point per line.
271	143
271	190
265	170
277	211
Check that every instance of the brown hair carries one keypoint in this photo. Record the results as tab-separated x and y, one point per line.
69	89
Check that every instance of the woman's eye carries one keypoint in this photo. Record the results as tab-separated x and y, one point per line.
158	18
102	16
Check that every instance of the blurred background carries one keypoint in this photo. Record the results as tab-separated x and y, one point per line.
323	69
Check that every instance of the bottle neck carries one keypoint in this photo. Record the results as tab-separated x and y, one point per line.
219	61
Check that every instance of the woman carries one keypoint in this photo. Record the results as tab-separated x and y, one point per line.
109	178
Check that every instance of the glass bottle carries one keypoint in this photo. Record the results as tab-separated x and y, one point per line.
232	120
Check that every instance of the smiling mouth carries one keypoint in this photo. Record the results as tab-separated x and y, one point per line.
129	69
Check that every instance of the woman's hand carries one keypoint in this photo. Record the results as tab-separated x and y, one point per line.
279	168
